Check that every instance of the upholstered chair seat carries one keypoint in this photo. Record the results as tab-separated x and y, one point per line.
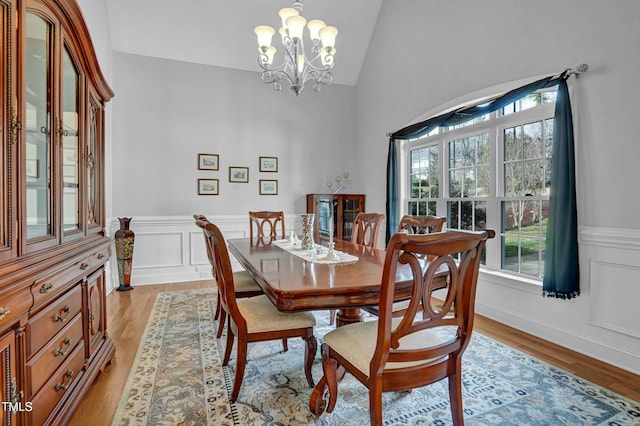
357	343
261	315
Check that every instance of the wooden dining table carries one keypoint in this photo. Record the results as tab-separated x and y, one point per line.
295	284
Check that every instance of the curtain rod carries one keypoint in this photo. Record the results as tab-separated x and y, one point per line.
580	69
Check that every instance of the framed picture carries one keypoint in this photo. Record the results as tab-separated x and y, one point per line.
268	187
207	186
268	164
208	162
239	174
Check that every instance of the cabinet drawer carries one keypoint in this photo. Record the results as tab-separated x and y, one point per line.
43	326
98	258
13	304
57	386
48	288
45	362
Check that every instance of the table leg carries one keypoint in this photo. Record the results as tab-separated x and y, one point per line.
348	316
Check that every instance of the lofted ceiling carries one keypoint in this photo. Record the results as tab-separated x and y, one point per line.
220	32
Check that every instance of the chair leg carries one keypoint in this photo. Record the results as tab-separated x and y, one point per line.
330	371
375	404
227	350
455	394
241	362
310	350
285	345
332	316
221	319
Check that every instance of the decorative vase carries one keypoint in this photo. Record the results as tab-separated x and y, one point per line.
307	231
124	239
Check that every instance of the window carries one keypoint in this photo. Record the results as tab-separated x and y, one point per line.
490	172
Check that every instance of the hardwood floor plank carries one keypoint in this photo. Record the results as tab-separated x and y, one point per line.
129	311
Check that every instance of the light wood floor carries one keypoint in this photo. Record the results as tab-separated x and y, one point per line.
128	313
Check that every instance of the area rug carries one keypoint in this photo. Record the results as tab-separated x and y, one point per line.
177	379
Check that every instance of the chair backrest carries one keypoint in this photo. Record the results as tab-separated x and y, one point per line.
455	255
266	223
421	224
201	220
365	229
221	267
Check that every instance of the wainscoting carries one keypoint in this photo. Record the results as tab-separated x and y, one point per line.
171	249
601	323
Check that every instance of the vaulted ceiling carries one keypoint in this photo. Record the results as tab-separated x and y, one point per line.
220	32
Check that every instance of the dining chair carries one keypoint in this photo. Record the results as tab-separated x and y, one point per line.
413	225
365	229
427	342
266	223
254	319
365	233
245	285
421	224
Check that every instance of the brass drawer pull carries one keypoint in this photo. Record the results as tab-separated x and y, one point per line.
65	386
45	288
100	256
62	317
4	311
63	352
83	266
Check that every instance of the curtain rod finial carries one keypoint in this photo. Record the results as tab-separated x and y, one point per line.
389	134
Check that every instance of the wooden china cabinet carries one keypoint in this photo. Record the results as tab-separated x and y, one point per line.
53	337
343	208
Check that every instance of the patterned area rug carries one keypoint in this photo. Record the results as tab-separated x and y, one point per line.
177	379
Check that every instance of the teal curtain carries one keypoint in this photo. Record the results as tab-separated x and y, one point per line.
561	272
562	263
392	191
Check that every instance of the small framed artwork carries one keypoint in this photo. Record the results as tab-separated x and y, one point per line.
268	187
207	186
239	174
268	164
208	162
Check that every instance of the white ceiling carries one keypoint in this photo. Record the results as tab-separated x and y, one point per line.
220	32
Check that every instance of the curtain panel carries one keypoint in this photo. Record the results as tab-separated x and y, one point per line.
561	278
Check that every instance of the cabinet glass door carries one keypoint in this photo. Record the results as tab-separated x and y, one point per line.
68	131
350	209
37	123
327	211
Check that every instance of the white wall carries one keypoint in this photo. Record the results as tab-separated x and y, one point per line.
166	112
425	54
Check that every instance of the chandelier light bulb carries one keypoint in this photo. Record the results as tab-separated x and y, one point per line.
328	36
264	33
285	14
314	26
296	24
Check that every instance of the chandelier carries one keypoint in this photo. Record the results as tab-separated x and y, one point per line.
297	68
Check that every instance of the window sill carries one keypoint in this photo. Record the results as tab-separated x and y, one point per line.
530	285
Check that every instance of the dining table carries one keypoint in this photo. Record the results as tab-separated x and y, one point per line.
296	280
